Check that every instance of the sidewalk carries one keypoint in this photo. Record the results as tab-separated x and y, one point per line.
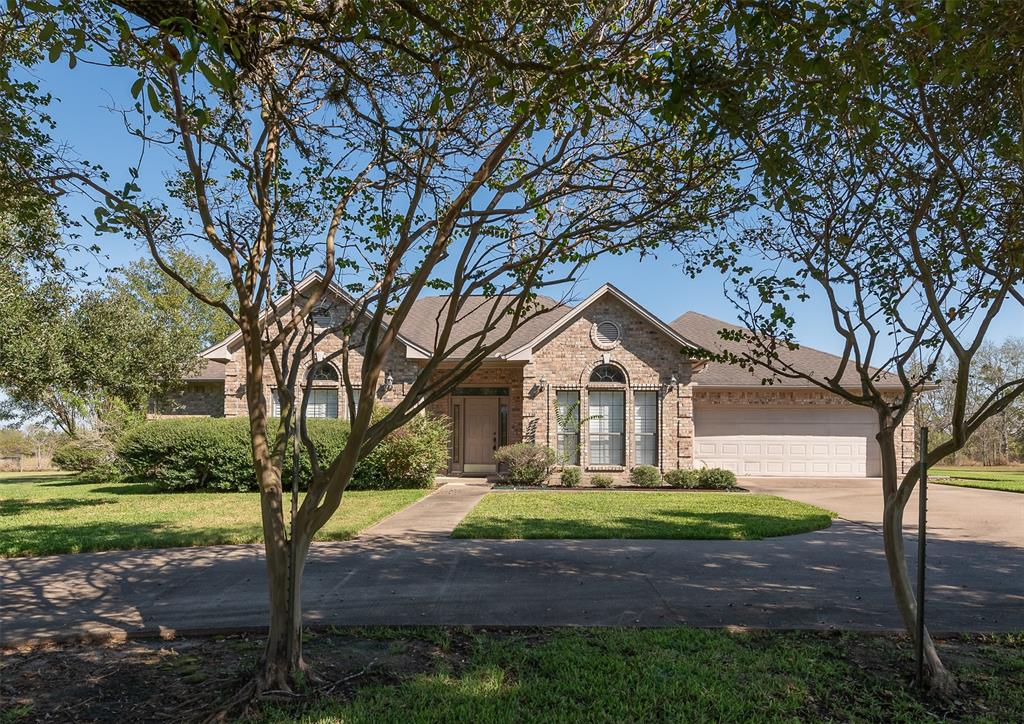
433	517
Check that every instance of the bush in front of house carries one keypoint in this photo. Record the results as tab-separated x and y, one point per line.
645	476
215	454
83	454
683	478
525	463
409	457
191	454
601	480
716	479
571	476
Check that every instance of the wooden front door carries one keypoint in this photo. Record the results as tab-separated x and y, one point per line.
481	434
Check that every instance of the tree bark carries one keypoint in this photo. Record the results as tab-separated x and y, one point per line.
282	666
938	680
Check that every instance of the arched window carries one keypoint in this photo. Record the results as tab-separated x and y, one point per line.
607	417
608	373
325	372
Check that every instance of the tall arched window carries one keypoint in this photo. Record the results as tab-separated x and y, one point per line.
608	373
607	417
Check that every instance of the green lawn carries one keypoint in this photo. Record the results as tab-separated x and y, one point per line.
1006	478
631	514
58	513
675	675
476	676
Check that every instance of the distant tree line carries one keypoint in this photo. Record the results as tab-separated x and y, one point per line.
1000	439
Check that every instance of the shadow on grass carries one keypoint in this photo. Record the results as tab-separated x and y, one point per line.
53	479
50	539
689	525
17	506
130	489
529	676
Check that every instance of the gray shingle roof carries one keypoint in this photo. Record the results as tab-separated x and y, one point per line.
210	371
703	330
422	325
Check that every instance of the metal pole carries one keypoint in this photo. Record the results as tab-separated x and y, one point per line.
922	499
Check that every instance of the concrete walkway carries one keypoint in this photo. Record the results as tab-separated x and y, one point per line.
433	517
415	575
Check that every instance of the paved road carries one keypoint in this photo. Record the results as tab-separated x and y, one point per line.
832	578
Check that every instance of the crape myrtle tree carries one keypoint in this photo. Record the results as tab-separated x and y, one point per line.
889	169
484	148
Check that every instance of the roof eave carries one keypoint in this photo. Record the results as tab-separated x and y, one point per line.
303	283
526	351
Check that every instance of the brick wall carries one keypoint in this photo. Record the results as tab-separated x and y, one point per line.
508	375
647	356
402	370
203	399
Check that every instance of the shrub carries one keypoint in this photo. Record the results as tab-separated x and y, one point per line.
215	454
601	480
571	477
716	479
83	454
646	476
191	453
682	478
409	457
526	463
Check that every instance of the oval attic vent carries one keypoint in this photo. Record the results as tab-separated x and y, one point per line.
606	333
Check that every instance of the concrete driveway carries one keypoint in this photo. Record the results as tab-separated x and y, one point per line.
412	573
954	513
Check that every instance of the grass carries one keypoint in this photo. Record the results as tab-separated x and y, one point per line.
678	675
1010	479
42	514
707	516
425	675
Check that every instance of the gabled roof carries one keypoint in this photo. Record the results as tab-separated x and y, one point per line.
219	353
572	314
703	330
692	329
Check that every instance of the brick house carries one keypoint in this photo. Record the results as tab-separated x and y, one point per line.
606	384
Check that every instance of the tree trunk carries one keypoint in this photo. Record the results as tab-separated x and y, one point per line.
283	666
938	680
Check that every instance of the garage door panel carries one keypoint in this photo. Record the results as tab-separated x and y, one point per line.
780	441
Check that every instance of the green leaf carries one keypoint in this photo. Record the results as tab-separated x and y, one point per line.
137	87
55	50
154	99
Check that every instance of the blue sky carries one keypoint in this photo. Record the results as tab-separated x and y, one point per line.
86	122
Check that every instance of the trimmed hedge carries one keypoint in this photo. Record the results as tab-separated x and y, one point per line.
601	480
571	476
681	478
215	454
716	478
525	463
704	478
645	476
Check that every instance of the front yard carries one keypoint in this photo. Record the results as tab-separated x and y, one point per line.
637	515
1008	478
45	513
525	675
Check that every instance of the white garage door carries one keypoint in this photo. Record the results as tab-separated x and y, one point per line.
790	441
